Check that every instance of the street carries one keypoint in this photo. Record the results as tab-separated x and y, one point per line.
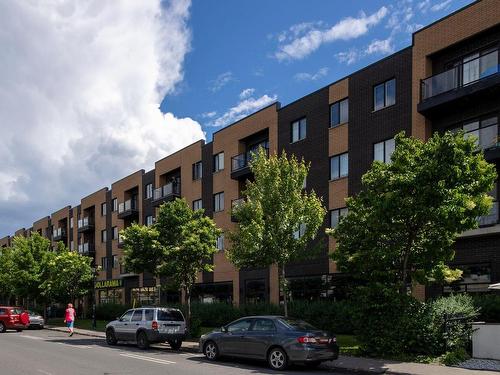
54	353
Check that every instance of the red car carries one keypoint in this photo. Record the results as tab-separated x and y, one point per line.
13	318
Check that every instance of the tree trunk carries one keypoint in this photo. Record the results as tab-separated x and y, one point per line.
403	276
188	302
285	291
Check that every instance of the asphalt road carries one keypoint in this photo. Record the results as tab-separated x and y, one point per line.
54	353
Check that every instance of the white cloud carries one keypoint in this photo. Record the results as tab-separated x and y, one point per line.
380	47
440	6
346	29
322	72
244	108
222	80
348	57
246	93
424	6
80	88
209	114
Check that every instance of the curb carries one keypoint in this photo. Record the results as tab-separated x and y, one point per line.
355	371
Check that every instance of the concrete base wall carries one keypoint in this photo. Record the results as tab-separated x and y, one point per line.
486	341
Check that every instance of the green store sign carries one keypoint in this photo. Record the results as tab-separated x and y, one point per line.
105	284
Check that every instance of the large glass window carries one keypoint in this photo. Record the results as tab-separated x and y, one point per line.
104	235
145	296
384	94
219	202
149	220
219	162
339	113
491	218
213	292
111	296
103	209
475	279
339	166
114	233
149	191
197	170
336	216
484	130
115	204
197	204
300	231
299	129
104	263
255	291
311	288
382	151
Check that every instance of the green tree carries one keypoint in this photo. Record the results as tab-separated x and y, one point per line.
278	218
67	275
6	282
403	223
178	246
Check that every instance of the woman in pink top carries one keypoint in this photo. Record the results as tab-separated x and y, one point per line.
69	319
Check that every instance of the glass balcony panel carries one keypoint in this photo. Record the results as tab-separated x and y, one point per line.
440	83
238	162
491	218
157	193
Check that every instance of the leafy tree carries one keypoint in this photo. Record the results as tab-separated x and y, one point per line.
402	225
178	246
6	282
278	218
67	275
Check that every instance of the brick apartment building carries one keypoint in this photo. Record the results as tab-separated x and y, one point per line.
447	79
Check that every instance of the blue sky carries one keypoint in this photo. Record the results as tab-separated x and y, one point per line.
249	45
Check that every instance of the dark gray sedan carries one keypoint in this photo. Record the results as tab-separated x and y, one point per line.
279	340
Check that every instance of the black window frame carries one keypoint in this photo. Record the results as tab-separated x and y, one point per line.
148	191
216	160
302	130
384	84
114	233
104	209
217	198
333	123
114	204
195	201
384	143
339	158
104	236
104	263
197	170
340	215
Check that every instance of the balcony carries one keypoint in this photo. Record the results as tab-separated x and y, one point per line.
86	248
234	204
128	209
470	80
166	193
59	234
240	164
84	225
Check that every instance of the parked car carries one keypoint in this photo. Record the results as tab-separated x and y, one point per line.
14	318
278	340
148	325
36	320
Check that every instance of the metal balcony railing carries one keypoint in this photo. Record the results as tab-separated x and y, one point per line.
85	248
460	75
243	160
128	205
84	222
59	232
172	188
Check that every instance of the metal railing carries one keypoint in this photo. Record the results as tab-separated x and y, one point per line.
460	75
128	205
242	160
84	222
85	248
59	232
172	188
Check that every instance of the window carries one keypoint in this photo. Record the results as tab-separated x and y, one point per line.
137	317
220	242
103	209
115	233
115	204
126	317
336	216
263	325
485	130
491	217
72	245
240	326
219	162
299	232
104	235
197	204
299	128
339	113
339	166
71	223
384	94
149	220
197	170
104	263
219	202
304	183
170	315
149	315
149	191
115	262
382	151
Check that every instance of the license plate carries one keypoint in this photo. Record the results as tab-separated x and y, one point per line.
172	329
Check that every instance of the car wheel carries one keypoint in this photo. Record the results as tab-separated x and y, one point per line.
211	351
277	359
110	337
142	340
2	327
175	344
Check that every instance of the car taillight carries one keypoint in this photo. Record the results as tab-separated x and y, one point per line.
154	325
306	340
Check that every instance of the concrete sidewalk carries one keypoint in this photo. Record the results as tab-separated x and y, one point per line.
345	364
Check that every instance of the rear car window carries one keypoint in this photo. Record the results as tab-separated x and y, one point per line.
149	315
2	312
16	311
173	315
298	324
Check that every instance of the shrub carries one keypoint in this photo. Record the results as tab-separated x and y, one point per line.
451	322
331	316
489	307
454	357
109	311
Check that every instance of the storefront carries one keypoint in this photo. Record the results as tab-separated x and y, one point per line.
146	296
109	291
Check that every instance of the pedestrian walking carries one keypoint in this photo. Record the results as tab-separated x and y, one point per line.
69	318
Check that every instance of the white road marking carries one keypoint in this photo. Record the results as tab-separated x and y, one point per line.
32	337
44	372
73	346
149	359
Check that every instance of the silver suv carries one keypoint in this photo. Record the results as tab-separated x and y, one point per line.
147	325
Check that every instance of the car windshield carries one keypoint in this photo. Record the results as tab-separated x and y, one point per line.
16	311
172	315
298	325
